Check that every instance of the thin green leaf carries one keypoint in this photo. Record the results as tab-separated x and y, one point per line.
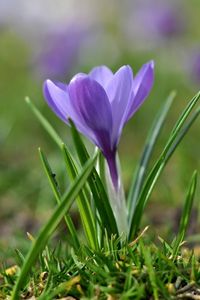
150	269
20	256
182	133
103	205
83	203
99	194
157	169
48	229
53	184
152	137
186	214
179	124
102	171
59	142
43	121
176	136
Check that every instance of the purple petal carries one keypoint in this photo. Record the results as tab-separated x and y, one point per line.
119	92
142	85
91	103
61	85
102	75
57	98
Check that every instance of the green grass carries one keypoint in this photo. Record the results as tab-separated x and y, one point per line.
107	264
49	228
142	270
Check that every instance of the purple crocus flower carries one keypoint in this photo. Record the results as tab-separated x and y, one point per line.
157	20
100	103
61	50
164	20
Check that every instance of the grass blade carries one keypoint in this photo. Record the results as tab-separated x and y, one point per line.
43	121
176	136
152	137
186	214
181	121
83	155
83	203
182	133
151	272
57	195
102	171
99	194
46	232
51	131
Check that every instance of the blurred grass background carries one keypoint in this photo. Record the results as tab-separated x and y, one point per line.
57	39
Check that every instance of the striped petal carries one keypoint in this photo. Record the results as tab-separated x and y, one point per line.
119	92
91	103
102	75
57	98
142	85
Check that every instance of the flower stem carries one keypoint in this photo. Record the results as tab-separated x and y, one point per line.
112	164
116	194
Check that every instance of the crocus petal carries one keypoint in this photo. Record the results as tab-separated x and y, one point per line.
119	92
142	85
61	85
91	102
102	75
57	98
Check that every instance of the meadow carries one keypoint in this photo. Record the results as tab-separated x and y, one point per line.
60	233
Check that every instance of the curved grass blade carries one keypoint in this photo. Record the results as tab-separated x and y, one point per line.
181	120
54	135
83	203
183	132
152	137
102	171
154	175
48	229
186	214
99	194
150	269
57	195
176	136
48	127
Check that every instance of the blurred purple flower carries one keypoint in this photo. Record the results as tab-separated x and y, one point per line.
61	51
162	19
100	104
